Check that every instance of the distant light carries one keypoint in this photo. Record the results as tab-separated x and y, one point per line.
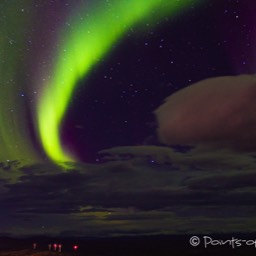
75	247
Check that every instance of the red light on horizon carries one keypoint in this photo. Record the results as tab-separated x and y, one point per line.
55	247
75	247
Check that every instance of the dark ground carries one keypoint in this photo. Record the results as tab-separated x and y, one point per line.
126	246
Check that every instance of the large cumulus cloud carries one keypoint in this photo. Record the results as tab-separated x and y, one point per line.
217	111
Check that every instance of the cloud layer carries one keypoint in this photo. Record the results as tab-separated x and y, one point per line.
217	112
138	190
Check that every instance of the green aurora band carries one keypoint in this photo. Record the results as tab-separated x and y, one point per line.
15	138
89	39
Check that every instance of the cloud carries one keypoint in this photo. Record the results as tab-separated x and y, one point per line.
215	112
224	181
190	178
131	194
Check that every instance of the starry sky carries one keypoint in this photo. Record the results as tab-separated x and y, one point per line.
121	117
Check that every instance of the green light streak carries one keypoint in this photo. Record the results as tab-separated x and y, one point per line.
15	139
87	41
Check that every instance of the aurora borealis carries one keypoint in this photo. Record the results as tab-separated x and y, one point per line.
91	38
15	136
81	45
83	88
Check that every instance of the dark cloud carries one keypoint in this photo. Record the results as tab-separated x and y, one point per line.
195	179
217	111
130	193
223	181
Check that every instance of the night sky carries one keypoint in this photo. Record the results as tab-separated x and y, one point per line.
126	117
117	100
